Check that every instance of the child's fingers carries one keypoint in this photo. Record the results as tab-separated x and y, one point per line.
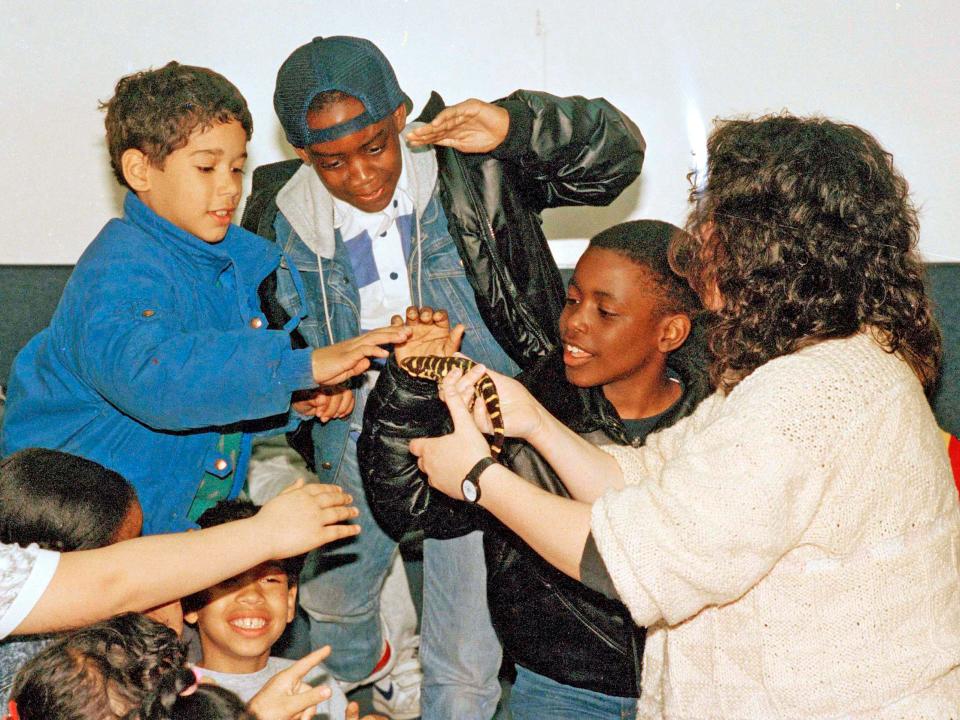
333	533
305	664
353	712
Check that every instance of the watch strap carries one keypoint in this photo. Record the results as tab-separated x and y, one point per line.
473	477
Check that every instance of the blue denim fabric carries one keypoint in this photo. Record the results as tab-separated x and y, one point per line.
340	587
459	651
158	343
444	285
534	697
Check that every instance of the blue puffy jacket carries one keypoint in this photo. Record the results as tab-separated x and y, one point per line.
158	346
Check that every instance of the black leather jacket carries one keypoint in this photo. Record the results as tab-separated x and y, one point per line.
547	622
558	152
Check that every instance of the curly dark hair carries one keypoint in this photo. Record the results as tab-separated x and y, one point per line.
61	501
805	231
125	668
156	111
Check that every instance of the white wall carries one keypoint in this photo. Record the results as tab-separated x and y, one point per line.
672	65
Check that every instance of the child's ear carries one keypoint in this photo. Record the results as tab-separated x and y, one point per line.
135	165
674	330
291	602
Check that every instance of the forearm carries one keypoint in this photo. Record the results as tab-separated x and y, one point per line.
142	573
586	470
555	527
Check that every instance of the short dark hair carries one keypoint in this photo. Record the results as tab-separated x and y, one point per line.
155	111
646	243
61	501
240	509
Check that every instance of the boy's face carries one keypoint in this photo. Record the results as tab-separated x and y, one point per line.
609	326
243	617
361	168
198	188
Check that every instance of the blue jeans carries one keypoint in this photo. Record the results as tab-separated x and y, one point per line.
340	586
460	654
459	649
534	697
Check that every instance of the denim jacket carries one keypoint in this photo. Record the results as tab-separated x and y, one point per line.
332	312
158	347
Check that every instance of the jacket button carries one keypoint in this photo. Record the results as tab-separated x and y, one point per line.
256	323
147	313
326	465
220	464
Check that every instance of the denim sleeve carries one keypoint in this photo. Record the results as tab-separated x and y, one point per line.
134	347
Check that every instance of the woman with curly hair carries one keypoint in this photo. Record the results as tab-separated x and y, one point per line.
793	546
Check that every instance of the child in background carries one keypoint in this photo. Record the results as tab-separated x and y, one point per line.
240	619
158	362
60	502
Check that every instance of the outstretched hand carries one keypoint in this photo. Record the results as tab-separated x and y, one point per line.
335	363
430	333
304	517
471	126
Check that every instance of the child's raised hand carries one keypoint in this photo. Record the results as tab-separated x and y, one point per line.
285	697
305	516
338	362
471	126
430	333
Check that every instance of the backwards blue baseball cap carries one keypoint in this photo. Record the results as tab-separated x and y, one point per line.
351	65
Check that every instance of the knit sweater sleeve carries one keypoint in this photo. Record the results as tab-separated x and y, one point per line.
713	503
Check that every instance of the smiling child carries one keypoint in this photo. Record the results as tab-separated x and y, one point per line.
625	370
159	362
241	618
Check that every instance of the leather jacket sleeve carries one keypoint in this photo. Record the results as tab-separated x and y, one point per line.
399	409
569	151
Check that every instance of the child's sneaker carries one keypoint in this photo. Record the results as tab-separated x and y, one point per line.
398	694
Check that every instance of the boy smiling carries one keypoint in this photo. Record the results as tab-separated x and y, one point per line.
241	618
158	362
626	368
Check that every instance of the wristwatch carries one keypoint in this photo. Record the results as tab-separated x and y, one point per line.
470	487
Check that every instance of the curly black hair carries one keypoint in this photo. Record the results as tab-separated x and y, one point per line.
125	668
155	111
805	231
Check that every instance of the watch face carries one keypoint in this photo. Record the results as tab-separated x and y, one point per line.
471	492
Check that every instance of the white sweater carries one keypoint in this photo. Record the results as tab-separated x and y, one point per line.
794	547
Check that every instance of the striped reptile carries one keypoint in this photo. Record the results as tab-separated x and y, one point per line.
436	367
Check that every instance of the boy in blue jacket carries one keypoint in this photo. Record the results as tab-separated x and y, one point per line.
158	362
